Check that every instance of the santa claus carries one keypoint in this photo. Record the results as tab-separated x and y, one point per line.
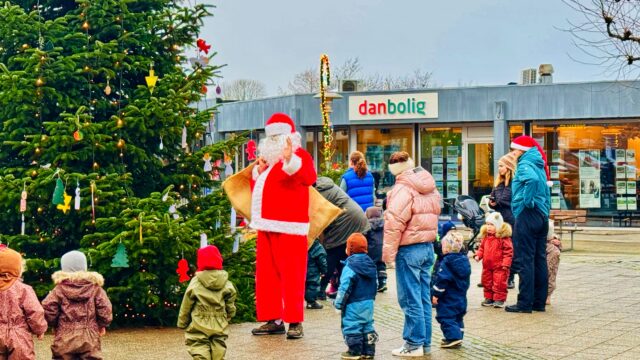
280	213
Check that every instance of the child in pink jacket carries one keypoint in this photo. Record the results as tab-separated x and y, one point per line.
21	315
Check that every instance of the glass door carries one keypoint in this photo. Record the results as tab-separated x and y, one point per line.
479	164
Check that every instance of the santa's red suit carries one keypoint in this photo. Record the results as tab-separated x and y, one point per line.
280	213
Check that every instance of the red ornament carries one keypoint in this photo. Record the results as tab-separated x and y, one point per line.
77	135
183	269
251	150
336	166
204	89
203	46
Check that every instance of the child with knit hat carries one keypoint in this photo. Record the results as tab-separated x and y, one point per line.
21	315
496	253
356	295
207	307
78	309
450	290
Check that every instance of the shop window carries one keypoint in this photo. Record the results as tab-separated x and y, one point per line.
441	150
378	144
341	143
309	143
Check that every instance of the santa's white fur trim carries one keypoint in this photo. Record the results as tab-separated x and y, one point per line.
255	173
520	147
277	129
399	168
294	164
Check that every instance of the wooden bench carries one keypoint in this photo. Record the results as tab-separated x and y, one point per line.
571	216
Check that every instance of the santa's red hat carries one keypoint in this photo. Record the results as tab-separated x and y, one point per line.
279	124
209	258
525	143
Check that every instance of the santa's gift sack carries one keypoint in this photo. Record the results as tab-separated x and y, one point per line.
321	211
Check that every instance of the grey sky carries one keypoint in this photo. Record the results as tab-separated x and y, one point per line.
484	42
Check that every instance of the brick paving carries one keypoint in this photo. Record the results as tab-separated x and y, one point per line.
594	315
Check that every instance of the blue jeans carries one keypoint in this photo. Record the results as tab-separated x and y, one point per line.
413	278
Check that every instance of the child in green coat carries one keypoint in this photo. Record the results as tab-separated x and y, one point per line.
207	307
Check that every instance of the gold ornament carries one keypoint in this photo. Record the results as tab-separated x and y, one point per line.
107	89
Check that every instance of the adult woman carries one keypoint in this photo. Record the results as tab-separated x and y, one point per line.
500	198
411	225
358	182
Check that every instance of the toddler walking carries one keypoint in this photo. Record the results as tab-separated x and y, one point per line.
496	253
207	307
21	315
316	268
78	309
355	298
450	290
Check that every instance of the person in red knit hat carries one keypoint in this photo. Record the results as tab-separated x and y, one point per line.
280	212
531	203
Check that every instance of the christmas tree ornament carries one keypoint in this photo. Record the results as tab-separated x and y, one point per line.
204	89
251	150
67	204
119	123
184	137
232	221
204	241
152	79
173	212
77	199
207	162
183	269
140	227
78	135
161	145
216	170
58	193
203	46
23	207
228	169
93	204
218	90
120	259
107	89
236	243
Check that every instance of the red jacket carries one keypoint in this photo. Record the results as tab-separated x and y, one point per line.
496	250
280	198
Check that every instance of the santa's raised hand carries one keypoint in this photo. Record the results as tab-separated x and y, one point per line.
287	152
262	165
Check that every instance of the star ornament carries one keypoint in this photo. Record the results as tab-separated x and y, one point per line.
67	204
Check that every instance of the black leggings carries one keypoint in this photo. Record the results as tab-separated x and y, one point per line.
334	256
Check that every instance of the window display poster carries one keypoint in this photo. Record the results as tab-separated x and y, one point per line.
621	172
631	156
589	164
622	203
632	203
452	171
452	154
589	193
437	154
555	156
452	189
631	187
554	171
620	155
555	189
437	170
440	188
631	172
621	187
555	202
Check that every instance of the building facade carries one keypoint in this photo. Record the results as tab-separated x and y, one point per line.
590	132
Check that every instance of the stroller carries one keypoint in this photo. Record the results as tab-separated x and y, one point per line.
471	215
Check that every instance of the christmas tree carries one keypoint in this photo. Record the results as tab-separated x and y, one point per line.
101	134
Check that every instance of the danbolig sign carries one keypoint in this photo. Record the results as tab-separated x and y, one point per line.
393	106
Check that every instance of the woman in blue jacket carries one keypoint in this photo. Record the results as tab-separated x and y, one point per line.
358	182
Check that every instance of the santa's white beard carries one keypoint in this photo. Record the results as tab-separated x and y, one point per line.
270	148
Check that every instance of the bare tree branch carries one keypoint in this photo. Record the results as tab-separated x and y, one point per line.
244	89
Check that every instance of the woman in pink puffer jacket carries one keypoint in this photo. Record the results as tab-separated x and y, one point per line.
411	225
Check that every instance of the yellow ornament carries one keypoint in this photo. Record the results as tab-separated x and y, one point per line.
67	204
151	79
107	89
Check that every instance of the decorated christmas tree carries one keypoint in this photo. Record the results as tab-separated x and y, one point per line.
102	148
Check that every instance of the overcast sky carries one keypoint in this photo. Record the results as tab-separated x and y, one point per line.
479	42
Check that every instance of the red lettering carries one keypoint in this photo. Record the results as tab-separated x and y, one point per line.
372	109
362	108
382	108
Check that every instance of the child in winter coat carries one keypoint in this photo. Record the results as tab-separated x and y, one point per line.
207	307
443	230
374	242
316	268
554	246
450	290
355	298
496	253
77	298
21	315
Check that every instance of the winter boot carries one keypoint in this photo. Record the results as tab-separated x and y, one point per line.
382	284
354	342
314	305
369	345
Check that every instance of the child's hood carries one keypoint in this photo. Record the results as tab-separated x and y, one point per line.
78	286
213	279
503	232
376	223
459	265
362	265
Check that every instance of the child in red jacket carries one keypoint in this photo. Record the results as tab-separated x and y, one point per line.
496	253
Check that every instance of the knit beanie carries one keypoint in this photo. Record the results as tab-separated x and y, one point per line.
445	228
73	261
509	160
496	219
356	244
209	258
10	267
452	242
525	143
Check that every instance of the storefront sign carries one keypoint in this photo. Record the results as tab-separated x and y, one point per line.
396	106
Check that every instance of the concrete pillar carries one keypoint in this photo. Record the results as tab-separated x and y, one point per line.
501	139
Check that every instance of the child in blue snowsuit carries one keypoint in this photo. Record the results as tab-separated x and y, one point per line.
443	230
355	298
316	269
450	290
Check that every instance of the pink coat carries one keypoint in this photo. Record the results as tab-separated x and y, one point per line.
413	206
21	316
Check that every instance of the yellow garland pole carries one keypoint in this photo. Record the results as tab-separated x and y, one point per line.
327	129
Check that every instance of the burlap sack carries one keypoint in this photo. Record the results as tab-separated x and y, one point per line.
321	212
